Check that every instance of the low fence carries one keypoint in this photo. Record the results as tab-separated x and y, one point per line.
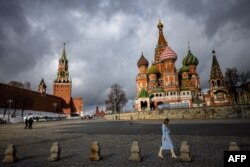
219	112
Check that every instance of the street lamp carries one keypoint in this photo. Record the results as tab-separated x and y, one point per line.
10	101
55	106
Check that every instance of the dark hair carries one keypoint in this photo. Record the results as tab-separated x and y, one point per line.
166	121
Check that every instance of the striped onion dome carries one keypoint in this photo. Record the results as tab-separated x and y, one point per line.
167	54
190	59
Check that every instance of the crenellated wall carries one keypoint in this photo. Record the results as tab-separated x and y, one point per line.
28	99
222	112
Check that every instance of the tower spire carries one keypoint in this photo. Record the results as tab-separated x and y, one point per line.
215	70
64	52
161	40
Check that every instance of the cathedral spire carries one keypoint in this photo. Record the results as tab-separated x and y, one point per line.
215	69
161	40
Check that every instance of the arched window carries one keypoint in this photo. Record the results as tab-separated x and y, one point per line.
212	83
218	82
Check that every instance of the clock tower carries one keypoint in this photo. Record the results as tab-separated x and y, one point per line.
62	84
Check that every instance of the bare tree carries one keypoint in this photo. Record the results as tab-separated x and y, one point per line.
116	98
232	80
245	87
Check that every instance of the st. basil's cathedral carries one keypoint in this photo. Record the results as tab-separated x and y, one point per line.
162	85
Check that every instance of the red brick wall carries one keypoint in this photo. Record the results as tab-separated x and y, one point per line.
28	99
77	104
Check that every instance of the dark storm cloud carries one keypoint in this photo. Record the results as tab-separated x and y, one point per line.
215	14
104	39
18	49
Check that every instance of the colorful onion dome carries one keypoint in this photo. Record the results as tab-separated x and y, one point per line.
152	70
184	69
142	61
167	54
190	59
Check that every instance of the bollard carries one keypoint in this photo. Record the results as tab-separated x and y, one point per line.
55	151
233	146
95	153
10	154
135	152
185	152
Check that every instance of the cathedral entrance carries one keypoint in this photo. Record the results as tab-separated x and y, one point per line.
144	105
152	106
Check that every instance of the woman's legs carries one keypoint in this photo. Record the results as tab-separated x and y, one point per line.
160	153
173	153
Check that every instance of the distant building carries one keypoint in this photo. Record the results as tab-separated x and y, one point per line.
98	113
25	85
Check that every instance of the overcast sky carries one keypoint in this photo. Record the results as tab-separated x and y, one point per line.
104	39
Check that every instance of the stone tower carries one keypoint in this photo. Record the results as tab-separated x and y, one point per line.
42	87
62	84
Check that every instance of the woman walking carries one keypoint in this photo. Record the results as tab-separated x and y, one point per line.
166	143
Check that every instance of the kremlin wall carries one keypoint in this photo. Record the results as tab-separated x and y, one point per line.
28	99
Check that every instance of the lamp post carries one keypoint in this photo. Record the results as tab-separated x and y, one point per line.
55	106
10	101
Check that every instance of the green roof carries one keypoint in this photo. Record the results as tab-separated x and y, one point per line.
143	93
152	70
184	69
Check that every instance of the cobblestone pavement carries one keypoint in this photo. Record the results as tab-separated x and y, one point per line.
33	145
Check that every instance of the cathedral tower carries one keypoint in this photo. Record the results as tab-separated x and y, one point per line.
169	72
191	78
141	78
62	84
160	47
218	91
